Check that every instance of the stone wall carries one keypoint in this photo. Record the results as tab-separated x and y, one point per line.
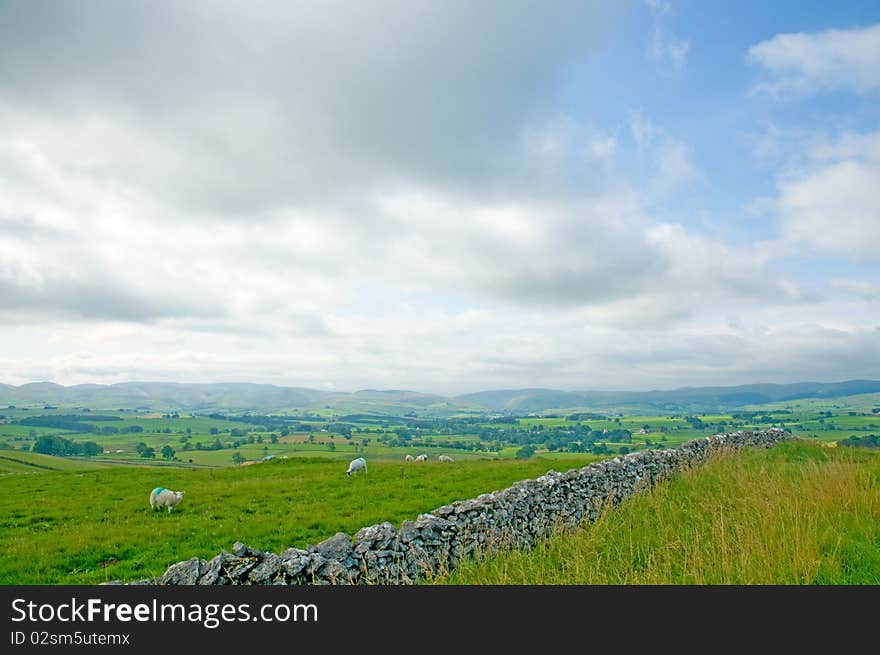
516	517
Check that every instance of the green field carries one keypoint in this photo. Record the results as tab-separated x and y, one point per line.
863	402
90	526
219	441
792	515
23	462
71	520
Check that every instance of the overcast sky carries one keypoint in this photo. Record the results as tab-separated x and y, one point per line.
440	196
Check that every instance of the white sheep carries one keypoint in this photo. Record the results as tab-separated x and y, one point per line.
162	497
357	465
408	458
445	458
422	458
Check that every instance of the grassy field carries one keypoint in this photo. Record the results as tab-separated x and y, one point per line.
23	462
194	438
795	514
88	526
864	402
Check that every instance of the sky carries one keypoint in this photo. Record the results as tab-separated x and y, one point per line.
444	197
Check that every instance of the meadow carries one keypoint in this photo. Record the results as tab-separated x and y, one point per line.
276	482
95	525
217	441
796	514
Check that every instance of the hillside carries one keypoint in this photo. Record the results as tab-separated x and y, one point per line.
267	398
688	399
224	397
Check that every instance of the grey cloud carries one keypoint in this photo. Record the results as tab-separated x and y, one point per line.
26	228
864	289
94	300
270	102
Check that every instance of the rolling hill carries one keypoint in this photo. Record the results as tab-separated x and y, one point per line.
268	398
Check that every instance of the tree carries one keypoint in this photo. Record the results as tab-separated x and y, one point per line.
168	452
273	438
90	449
213	431
237	458
525	452
147	453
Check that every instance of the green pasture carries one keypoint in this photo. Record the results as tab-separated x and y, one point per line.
89	526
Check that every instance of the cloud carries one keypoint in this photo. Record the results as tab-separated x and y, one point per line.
835	59
831	204
672	167
666	50
382	195
237	109
669	51
452	352
864	289
642	129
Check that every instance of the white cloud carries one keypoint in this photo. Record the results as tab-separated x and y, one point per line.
864	289
666	50
669	51
302	195
659	7
832	203
833	59
642	129
672	167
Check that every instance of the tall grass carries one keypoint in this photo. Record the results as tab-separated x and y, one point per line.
792	515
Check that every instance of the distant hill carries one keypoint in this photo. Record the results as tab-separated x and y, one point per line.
687	399
225	397
236	397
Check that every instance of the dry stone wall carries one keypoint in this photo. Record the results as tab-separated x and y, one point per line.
516	517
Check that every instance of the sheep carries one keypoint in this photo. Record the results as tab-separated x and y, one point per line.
422	458
408	458
162	497
445	458
356	465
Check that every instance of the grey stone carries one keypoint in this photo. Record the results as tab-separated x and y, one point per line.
184	573
265	571
237	567
242	550
337	547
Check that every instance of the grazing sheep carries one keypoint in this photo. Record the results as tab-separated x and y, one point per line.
162	497
408	458
357	465
422	458
445	458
